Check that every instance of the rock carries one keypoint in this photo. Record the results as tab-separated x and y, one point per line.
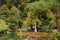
31	38
26	39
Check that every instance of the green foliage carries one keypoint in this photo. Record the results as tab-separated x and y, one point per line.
57	35
4	11
42	14
41	5
18	13
11	36
3	25
23	36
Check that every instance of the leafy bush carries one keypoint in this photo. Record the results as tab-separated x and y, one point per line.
23	36
11	36
3	25
57	36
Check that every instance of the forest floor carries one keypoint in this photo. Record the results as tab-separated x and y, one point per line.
37	35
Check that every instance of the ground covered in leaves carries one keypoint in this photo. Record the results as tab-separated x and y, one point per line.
36	36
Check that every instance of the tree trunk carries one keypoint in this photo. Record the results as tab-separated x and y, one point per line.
35	28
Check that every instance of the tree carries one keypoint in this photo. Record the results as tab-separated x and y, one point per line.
40	11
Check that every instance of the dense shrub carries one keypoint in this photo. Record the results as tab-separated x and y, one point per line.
23	36
3	25
57	36
11	36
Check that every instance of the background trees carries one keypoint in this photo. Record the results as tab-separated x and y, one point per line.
19	13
